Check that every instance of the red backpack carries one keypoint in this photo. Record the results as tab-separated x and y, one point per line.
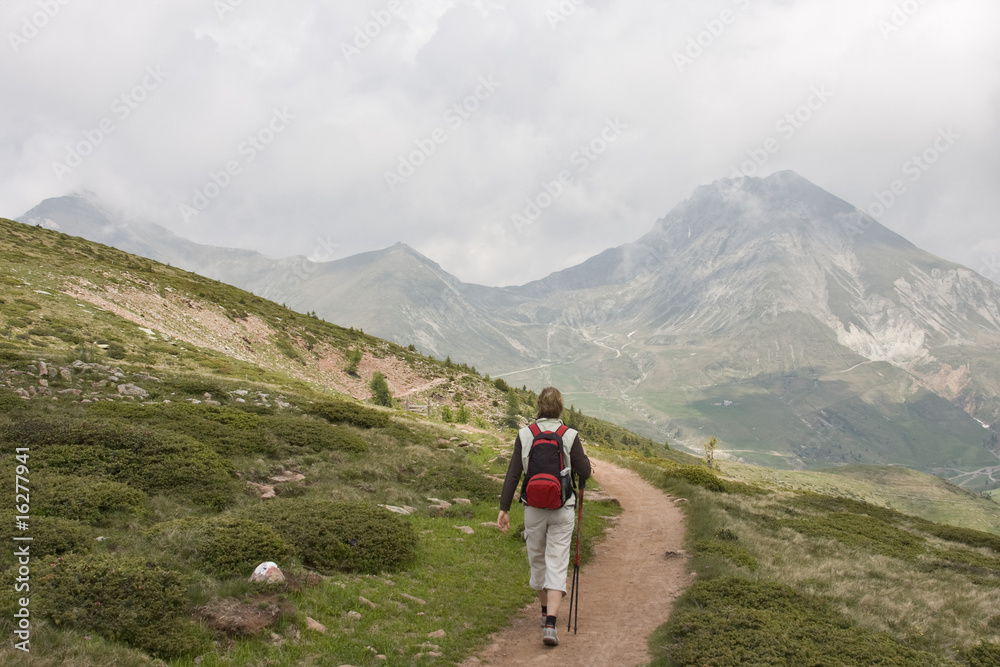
548	479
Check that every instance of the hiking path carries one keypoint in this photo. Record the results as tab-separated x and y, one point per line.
627	589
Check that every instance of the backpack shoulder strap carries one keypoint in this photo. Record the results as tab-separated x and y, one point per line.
535	430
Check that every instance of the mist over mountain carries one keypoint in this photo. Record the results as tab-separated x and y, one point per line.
765	312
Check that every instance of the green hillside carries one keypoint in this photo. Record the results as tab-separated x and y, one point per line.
149	410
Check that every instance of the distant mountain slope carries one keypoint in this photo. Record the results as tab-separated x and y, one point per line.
79	216
763	311
779	318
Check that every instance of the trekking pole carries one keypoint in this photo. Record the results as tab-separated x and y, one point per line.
574	591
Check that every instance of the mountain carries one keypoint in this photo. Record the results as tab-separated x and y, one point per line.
765	312
395	293
81	216
781	319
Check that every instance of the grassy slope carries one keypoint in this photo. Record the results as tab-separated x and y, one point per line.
795	578
930	601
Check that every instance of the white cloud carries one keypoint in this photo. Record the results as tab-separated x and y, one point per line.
561	79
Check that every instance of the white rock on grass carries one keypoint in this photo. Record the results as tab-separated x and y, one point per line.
268	573
316	626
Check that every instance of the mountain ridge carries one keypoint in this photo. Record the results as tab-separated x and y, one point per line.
750	288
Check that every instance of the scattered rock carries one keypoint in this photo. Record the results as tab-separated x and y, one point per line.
414	599
399	509
490	524
65	374
676	554
277	639
462	501
42	368
368	602
264	490
465	529
132	390
42	382
287	476
443	503
437	634
268	573
314	625
292	631
353	615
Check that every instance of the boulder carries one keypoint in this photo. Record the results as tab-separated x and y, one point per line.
268	573
132	390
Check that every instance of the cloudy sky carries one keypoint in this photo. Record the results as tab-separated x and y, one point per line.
502	139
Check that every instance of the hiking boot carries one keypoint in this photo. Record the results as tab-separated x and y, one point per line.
550	637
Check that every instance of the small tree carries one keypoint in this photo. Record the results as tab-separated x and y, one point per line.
353	359
513	419
710	453
380	389
446	414
463	415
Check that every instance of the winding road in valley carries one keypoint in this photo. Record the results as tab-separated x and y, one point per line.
627	590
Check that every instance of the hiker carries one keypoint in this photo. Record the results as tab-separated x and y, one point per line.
548	532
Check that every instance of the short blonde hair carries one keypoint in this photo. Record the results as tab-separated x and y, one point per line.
550	404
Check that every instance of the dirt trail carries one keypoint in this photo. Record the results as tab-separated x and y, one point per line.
628	589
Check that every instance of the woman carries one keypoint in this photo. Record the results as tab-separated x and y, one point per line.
548	531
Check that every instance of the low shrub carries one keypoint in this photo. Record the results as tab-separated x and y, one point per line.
458	479
985	654
224	546
124	599
85	499
727	549
968	561
818	501
730	621
859	530
315	435
229	431
343	412
338	535
698	476
172	464
51	535
967	536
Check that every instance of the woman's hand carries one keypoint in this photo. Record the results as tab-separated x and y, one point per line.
503	520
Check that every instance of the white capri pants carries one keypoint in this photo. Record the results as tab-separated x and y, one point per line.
548	534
